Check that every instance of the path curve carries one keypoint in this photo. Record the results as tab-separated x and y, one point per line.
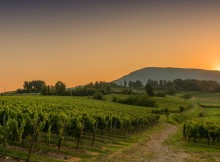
152	149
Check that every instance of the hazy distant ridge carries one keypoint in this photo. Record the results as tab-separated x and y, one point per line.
157	73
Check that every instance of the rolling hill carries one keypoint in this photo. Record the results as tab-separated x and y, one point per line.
169	74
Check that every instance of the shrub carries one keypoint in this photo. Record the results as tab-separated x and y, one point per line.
187	96
181	108
201	114
139	100
114	99
126	91
83	92
160	94
98	96
167	112
170	91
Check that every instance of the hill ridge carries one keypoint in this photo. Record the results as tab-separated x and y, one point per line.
169	74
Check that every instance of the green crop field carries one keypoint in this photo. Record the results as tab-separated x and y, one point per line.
51	125
56	128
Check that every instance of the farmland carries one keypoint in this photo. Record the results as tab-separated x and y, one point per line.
36	126
65	128
205	116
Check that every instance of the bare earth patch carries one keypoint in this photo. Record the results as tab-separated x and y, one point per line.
152	149
92	153
9	159
73	159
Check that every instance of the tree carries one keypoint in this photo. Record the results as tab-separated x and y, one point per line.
138	83
170	91
131	84
167	112
60	88
149	90
34	86
125	83
44	90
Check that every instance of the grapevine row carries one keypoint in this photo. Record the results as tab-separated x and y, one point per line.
21	118
202	130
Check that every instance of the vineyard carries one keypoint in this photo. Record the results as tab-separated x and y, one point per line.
199	130
42	124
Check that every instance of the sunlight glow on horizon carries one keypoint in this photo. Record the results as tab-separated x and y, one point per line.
78	43
217	67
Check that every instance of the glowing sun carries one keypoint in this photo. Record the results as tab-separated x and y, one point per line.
217	67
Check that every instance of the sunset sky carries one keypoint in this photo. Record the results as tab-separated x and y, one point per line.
84	41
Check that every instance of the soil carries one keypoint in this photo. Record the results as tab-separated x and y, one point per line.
152	149
9	159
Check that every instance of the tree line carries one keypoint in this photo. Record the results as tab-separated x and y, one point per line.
39	86
163	87
179	85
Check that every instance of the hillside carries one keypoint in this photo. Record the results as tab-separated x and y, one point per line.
169	74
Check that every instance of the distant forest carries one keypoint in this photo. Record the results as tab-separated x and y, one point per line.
167	87
179	85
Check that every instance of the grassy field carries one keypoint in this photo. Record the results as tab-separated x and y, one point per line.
173	103
199	150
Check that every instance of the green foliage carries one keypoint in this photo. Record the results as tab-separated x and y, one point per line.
187	96
136	84
149	90
186	85
181	108
60	88
33	117
167	112
160	94
114	99
101	86
12	130
98	96
170	90
140	100
45	90
126	91
201	114
91	88
199	130
34	86
83	91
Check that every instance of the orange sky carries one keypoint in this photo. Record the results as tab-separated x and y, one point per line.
104	42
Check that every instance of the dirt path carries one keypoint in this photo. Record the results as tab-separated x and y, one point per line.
152	149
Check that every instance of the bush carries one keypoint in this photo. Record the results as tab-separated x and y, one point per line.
181	108
126	91
170	91
139	100
160	94
98	96
167	112
201	114
187	96
114	99
157	111
83	92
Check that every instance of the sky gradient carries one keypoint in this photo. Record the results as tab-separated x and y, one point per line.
79	42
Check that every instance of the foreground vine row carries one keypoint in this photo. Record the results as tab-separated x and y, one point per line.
199	130
25	119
